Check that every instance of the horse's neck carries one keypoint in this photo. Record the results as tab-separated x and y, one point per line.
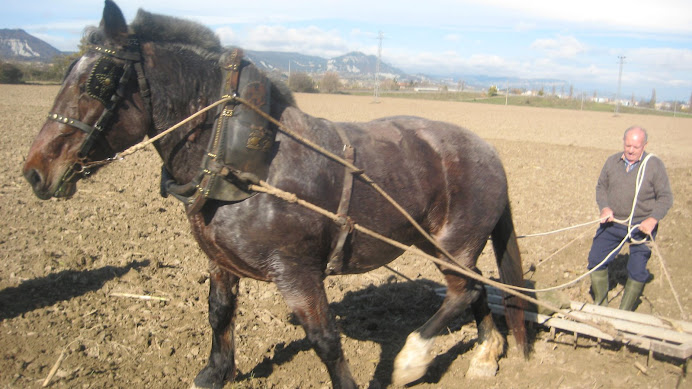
175	100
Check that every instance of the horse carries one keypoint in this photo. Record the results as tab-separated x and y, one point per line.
137	80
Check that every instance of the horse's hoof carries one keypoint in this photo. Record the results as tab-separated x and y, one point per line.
413	360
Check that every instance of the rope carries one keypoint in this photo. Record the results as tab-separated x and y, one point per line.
141	145
264	187
560	230
510	289
630	229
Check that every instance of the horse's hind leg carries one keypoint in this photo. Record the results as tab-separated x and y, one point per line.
490	344
305	295
414	358
223	292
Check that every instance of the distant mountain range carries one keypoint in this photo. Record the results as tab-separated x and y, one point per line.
18	45
351	65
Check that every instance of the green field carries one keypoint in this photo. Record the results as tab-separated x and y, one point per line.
527	101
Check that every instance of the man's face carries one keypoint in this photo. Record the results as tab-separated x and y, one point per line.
634	145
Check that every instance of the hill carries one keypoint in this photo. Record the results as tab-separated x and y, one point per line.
18	45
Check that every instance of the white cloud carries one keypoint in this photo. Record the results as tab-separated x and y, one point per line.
309	40
560	47
672	60
227	36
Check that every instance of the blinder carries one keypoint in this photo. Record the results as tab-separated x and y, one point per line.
102	84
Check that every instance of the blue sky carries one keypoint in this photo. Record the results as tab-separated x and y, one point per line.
576	41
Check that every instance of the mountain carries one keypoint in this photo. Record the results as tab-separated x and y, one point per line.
358	64
352	65
18	45
285	61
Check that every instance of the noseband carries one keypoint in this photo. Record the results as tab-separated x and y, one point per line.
106	83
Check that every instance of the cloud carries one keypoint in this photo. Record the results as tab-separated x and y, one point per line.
226	35
670	59
309	40
560	47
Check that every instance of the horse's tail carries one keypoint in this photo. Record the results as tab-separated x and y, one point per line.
509	264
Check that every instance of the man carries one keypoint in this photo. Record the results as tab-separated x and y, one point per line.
615	194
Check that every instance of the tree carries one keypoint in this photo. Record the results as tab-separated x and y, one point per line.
301	82
10	74
571	92
330	83
492	91
652	103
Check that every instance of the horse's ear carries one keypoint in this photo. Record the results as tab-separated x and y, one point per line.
113	23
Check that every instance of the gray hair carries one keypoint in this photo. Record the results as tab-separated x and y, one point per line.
646	135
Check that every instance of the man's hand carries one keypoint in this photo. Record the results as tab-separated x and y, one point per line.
648	225
607	215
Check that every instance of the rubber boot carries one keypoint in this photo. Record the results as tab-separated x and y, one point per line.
599	287
632	291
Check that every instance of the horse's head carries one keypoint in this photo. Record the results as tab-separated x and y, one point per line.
100	110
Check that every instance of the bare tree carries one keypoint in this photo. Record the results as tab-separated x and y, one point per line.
652	103
330	83
301	82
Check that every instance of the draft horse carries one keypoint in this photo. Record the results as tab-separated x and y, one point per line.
138	80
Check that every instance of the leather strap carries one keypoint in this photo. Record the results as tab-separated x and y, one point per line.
215	152
336	256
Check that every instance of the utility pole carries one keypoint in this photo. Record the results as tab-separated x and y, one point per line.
617	99
376	96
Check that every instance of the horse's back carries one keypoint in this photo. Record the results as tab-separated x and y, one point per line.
444	176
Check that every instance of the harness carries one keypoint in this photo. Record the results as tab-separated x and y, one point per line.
106	83
240	148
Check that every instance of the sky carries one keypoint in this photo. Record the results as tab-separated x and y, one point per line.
580	42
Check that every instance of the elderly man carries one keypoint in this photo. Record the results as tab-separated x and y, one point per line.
615	194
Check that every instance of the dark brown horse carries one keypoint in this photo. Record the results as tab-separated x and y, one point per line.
139	80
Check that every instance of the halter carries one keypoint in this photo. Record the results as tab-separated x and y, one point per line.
101	85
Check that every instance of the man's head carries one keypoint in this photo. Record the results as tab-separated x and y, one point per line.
635	140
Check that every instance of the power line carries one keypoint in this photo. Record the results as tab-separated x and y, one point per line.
376	91
617	98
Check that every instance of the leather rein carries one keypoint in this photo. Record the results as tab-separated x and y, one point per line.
106	83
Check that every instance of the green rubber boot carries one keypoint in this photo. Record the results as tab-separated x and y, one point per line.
633	289
599	287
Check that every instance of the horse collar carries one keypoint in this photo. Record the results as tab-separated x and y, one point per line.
240	148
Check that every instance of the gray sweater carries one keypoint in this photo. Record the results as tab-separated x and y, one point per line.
616	189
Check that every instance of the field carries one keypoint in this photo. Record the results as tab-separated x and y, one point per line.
62	261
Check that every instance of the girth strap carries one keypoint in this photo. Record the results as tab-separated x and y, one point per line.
336	256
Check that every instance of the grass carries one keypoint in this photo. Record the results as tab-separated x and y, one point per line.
526	101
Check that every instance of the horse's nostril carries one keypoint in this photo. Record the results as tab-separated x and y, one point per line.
33	177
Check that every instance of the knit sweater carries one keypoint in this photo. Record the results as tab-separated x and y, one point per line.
616	189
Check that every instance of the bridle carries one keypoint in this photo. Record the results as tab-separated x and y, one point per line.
102	86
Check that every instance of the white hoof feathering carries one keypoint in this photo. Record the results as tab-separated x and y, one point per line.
413	360
484	363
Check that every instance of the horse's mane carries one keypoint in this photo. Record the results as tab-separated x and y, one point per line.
168	29
193	36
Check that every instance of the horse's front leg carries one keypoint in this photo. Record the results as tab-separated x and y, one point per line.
304	293
223	293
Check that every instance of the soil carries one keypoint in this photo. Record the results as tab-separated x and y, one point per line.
63	262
